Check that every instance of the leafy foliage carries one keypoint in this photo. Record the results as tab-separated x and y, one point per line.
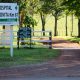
73	6
29	20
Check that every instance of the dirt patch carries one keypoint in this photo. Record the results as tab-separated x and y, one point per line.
62	43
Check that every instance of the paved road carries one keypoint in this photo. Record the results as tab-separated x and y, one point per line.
47	78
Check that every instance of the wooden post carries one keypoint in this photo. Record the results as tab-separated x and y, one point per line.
30	38
50	39
3	37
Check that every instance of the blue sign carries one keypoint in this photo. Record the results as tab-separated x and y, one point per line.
24	32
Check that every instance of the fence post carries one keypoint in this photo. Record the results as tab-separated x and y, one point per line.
50	39
17	41
30	39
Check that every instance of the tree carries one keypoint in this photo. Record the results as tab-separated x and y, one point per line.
66	25
32	9
57	10
51	7
42	12
66	20
43	20
74	6
29	21
72	24
67	12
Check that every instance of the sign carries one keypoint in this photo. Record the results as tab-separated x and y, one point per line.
24	32
9	14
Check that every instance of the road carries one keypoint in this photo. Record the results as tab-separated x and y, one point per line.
47	78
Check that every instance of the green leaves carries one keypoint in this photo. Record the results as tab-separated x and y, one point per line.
29	20
73	6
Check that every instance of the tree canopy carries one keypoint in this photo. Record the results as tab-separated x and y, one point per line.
73	6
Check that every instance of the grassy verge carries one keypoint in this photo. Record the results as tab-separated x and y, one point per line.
76	40
26	56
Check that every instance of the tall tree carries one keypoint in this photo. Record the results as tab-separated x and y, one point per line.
74	6
42	12
32	9
57	12
43	22
67	12
53	7
66	18
72	19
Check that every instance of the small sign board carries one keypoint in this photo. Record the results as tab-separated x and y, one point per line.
24	32
9	14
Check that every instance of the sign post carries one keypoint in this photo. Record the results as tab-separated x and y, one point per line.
11	41
9	16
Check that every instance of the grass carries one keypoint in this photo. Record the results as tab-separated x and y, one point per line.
76	40
26	56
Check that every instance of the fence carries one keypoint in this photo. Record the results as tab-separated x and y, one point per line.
37	39
47	39
5	39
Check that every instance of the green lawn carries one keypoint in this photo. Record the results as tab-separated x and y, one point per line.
26	56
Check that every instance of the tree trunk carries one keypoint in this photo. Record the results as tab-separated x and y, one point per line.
79	27
22	15
72	26
55	27
66	26
43	22
33	29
